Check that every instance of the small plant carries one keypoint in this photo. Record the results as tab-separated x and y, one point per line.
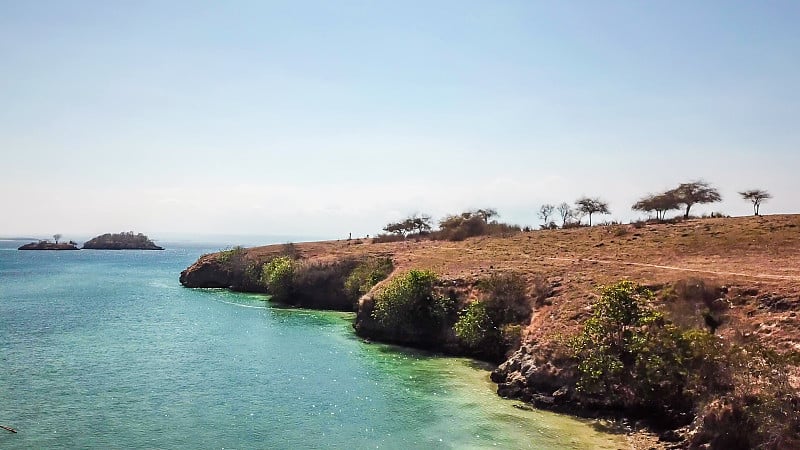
290	250
492	325
383	238
229	254
474	326
366	275
541	291
410	303
277	275
505	297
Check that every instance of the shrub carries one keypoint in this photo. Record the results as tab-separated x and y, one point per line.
505	297
474	326
754	405
627	352
489	327
629	355
228	255
290	250
458	228
277	275
542	289
511	335
502	229
409	304
381	238
694	302
366	275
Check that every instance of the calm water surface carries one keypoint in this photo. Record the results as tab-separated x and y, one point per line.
105	349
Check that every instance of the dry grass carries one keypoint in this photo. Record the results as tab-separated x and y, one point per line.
757	260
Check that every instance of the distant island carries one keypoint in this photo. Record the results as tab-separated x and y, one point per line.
121	241
47	245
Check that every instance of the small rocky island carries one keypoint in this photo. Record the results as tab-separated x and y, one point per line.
121	241
47	245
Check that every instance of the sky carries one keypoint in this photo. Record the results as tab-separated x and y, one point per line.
322	118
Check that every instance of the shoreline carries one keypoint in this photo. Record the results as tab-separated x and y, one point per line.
572	263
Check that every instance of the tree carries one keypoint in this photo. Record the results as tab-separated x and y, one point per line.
397	228
56	237
590	206
566	213
660	203
486	214
545	212
420	223
695	192
756	196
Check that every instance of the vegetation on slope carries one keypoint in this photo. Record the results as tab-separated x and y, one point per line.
720	288
121	241
629	356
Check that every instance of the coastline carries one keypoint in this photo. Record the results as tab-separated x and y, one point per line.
573	264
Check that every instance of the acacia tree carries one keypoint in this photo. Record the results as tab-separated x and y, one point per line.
397	228
419	222
660	203
545	212
590	206
756	196
693	192
565	211
486	213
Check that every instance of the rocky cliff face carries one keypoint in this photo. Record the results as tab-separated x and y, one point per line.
537	376
440	339
208	272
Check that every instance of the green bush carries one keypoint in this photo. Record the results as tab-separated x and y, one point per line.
489	327
225	256
506	298
277	275
627	352
629	355
409	304
366	275
474	327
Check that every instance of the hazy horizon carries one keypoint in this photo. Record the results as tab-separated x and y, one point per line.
321	119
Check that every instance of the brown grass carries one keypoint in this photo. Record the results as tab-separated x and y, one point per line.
756	260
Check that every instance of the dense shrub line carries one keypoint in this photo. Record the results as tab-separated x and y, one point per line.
630	356
417	308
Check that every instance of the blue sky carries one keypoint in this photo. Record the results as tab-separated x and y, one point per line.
323	118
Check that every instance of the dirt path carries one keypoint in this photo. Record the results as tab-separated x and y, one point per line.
681	269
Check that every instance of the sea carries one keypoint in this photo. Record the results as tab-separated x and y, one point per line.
105	349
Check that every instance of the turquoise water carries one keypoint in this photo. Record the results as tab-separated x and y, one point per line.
104	349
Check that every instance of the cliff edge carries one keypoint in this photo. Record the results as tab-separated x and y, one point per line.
732	279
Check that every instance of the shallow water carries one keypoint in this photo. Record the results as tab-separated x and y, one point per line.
104	349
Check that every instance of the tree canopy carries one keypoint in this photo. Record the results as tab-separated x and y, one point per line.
659	203
486	213
545	211
695	192
756	196
590	206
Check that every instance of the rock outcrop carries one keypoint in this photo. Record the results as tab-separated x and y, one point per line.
537	376
44	245
208	272
121	241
